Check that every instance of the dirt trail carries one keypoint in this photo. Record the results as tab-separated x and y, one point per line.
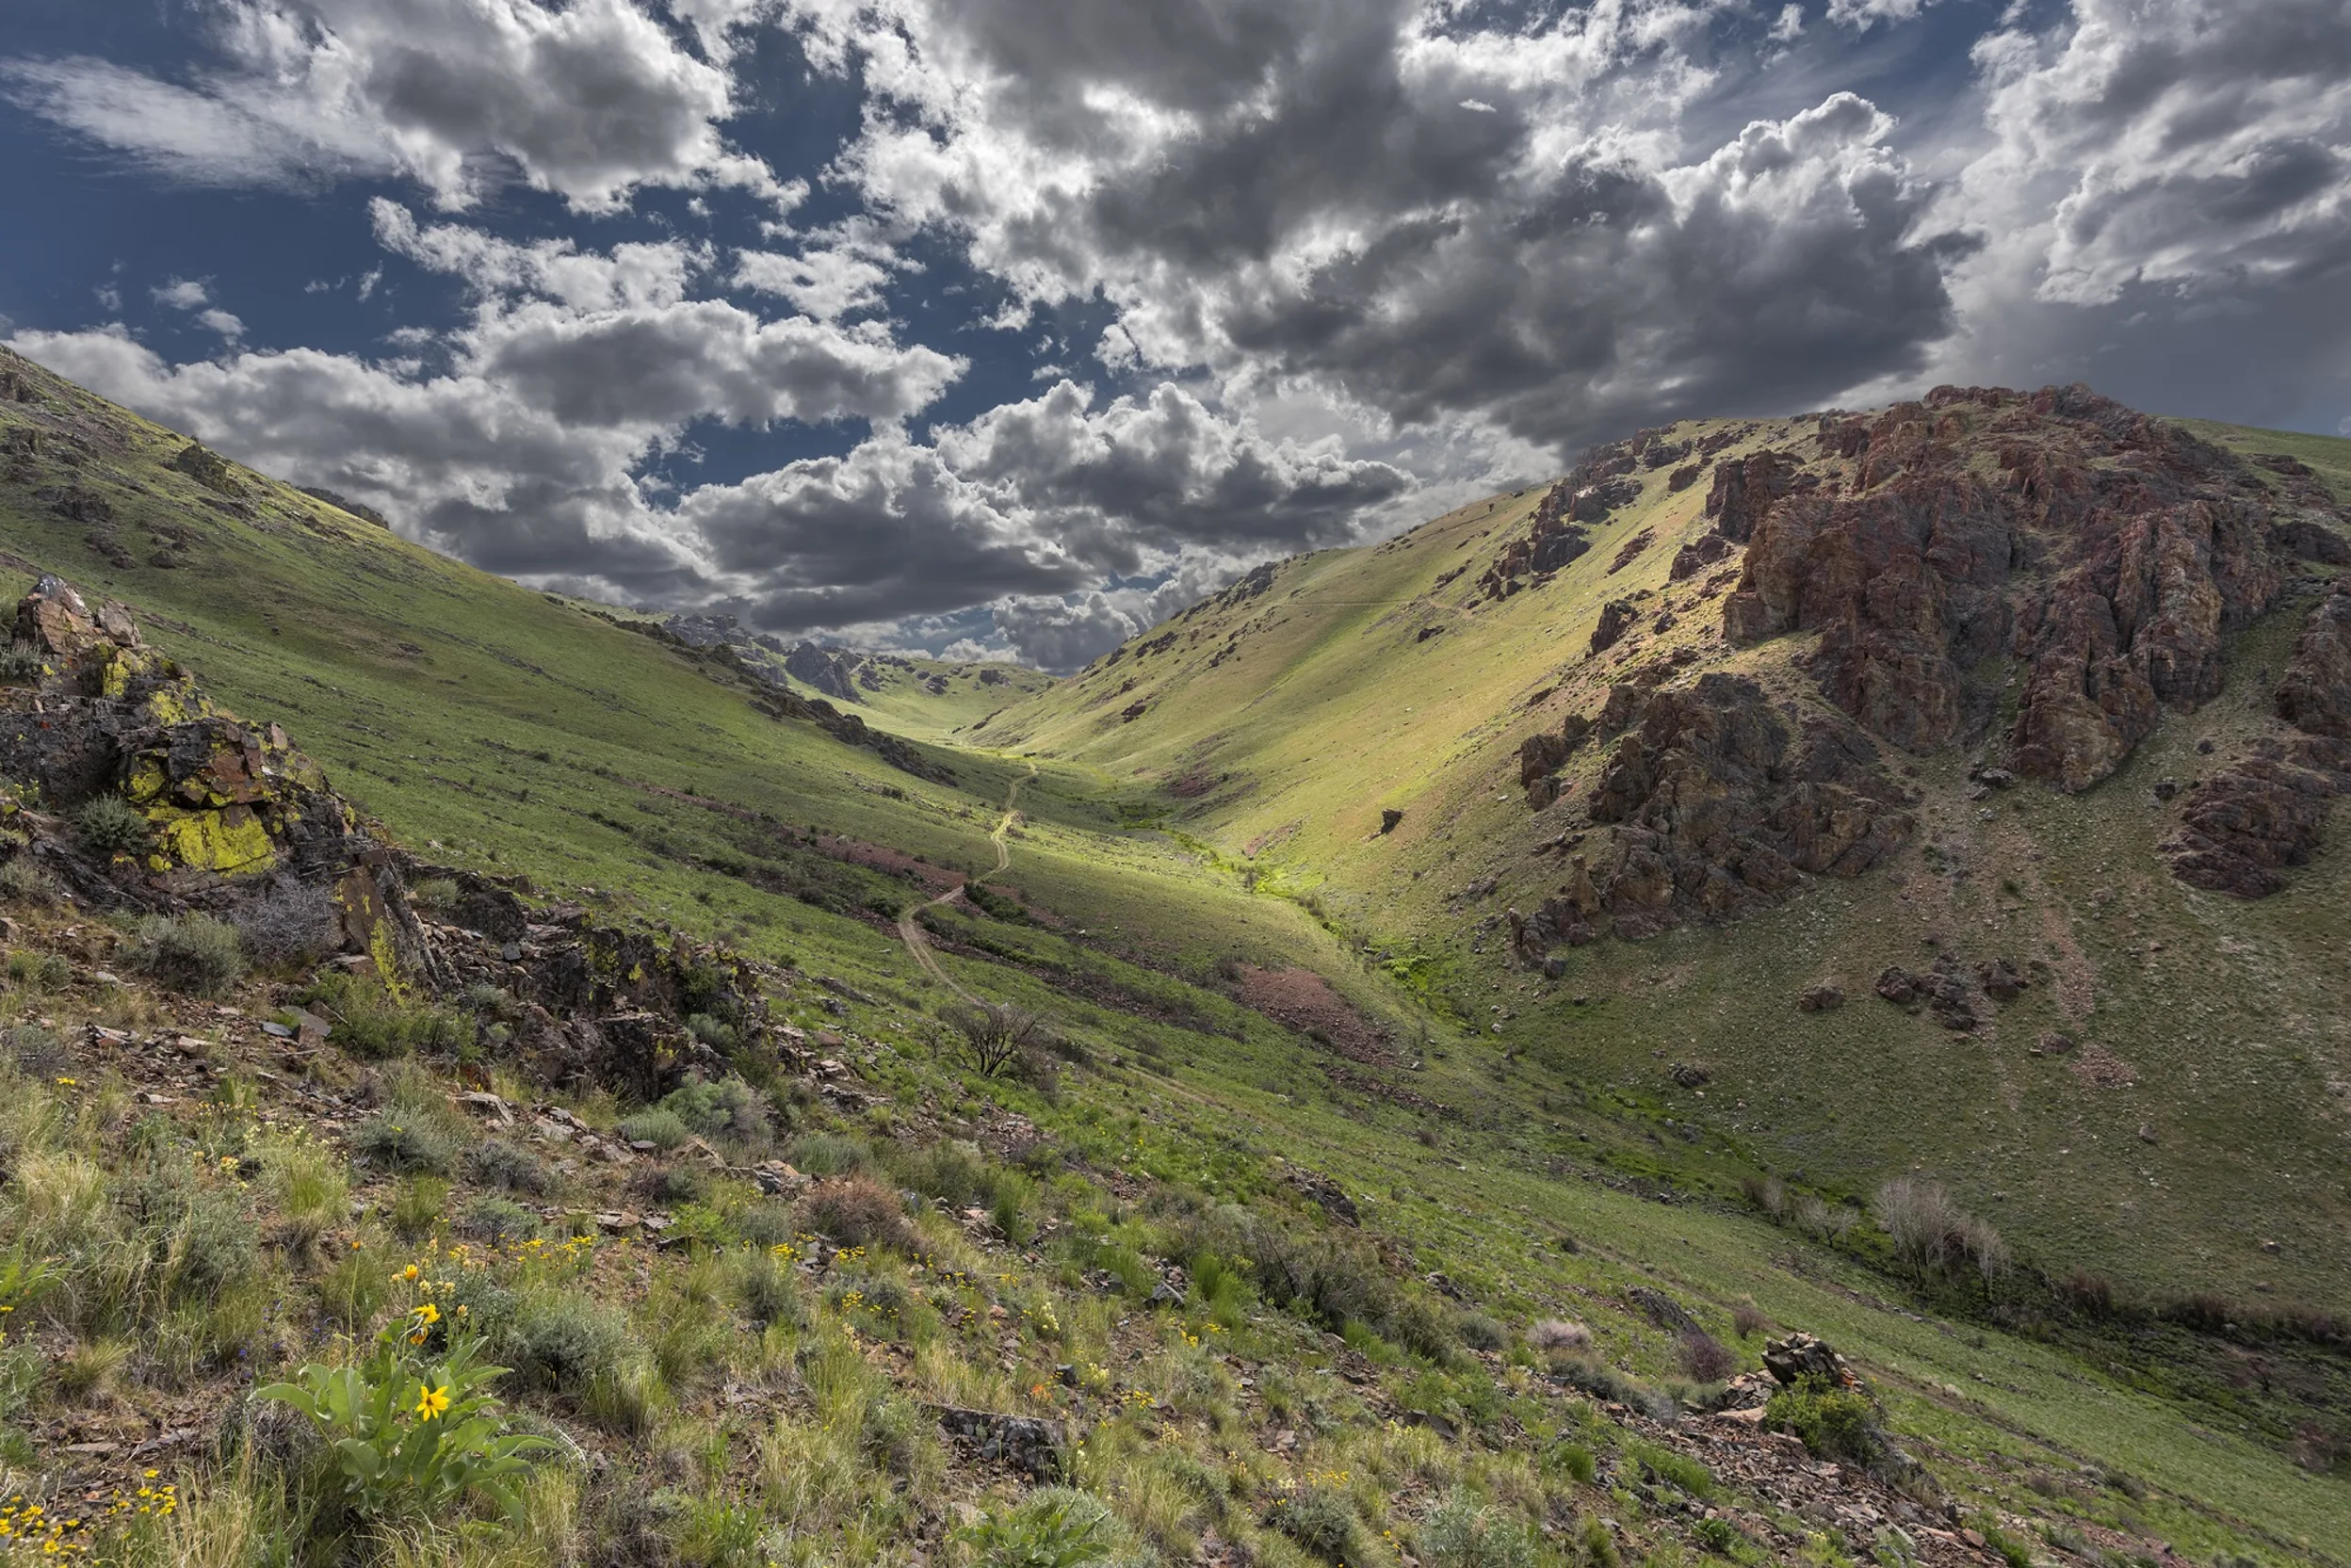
910	929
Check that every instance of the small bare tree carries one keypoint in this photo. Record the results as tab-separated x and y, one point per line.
994	1034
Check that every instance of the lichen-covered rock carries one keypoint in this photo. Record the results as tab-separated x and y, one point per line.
108	715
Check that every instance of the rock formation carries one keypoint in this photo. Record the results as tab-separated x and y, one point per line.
1719	803
2108	550
2241	828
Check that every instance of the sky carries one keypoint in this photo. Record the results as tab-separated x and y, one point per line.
1006	328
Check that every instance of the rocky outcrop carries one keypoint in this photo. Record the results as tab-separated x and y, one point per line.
1696	556
826	669
1541	758
2243	827
2109	550
105	715
1720	804
1744	492
2314	694
2240	828
1617	619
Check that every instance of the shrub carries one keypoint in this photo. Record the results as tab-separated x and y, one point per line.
829	1155
1460	1534
1054	1527
411	1436
1832	1422
193	954
370	1022
23	663
495	1162
1747	1319
1574	1461
1934	1235
20	879
562	1340
1705	1358
406	1139
1674	1469
994	1035
1321	1520
109	825
34	1051
658	1126
38	972
728	1108
856	1211
1558	1333
291	925
490	1218
951	1170
1481	1333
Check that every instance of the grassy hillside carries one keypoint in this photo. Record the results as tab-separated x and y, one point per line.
1256	994
1278	724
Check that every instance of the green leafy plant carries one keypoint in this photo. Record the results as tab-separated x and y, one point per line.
1831	1422
1056	1527
411	1434
109	825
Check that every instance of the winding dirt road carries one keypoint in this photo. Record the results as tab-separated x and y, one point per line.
910	929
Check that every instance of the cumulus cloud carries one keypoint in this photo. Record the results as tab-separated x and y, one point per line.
1025	504
1416	215
588	100
2179	142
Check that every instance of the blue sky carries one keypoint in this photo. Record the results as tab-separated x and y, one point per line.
1006	327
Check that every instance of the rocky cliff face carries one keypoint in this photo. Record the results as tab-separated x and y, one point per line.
2266	810
2107	551
1720	802
2041	577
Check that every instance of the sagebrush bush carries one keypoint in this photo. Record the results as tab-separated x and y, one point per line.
489	1218
22	881
1559	1334
495	1162
658	1126
406	1141
109	825
1481	1333
856	1211
1322	1520
727	1108
823	1153
292	923
193	954
1460	1534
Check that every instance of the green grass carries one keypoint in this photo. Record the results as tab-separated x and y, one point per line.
500	730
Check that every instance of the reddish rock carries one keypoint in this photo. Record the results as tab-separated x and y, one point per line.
1721	806
1617	619
1743	492
1696	556
2112	553
2314	694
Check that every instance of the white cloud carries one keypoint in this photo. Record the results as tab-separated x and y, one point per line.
827	283
588	100
183	293
1862	13
222	322
2175	143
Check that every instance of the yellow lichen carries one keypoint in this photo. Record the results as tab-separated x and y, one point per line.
208	841
148	780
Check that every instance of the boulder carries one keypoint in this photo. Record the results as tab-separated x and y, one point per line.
1696	556
2000	979
1617	618
1819	999
1800	1356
